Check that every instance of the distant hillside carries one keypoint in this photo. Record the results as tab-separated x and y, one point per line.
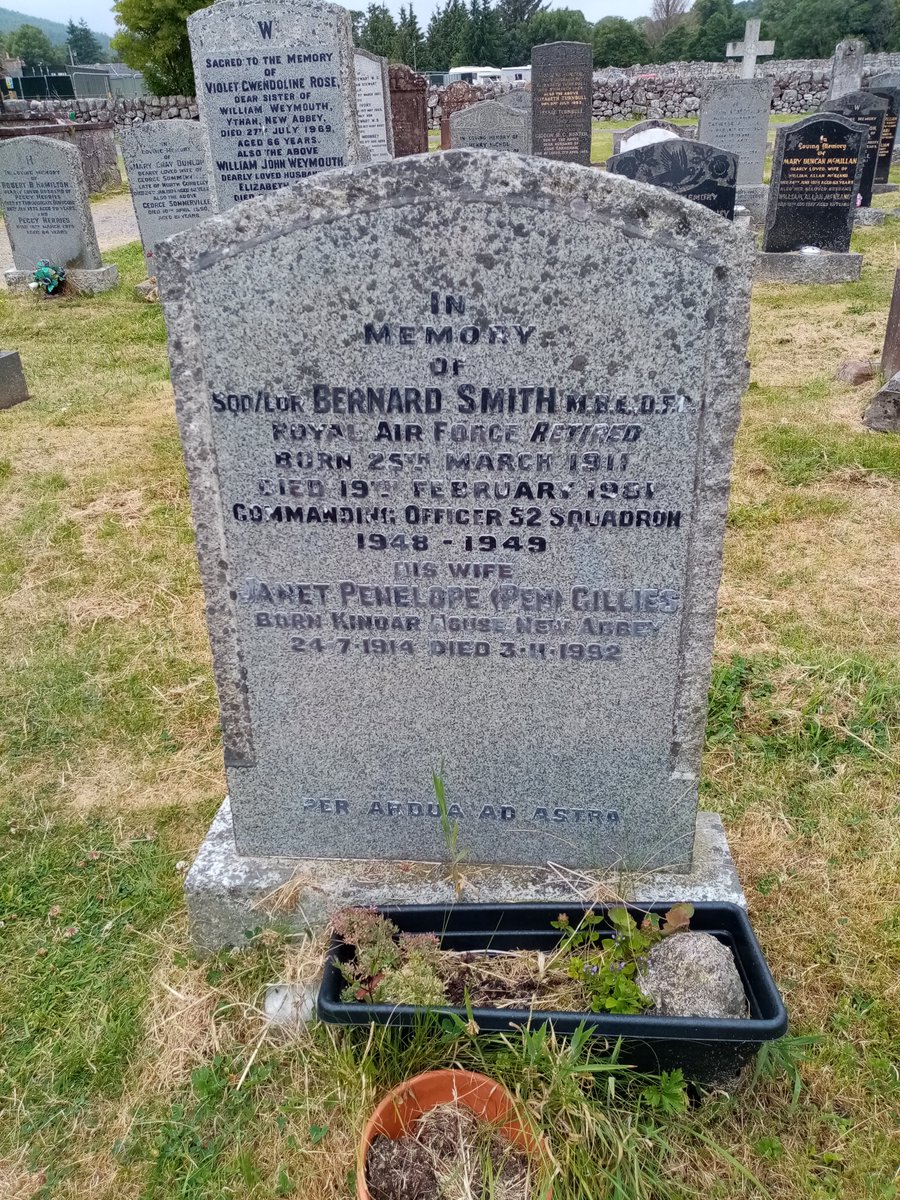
55	30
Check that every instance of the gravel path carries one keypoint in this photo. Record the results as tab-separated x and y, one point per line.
114	221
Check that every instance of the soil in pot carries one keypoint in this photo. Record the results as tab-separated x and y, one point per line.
448	1154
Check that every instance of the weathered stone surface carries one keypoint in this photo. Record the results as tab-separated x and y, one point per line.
457	96
802	268
816	172
306	47
166	165
856	371
890	352
869	218
561	81
755	200
702	173
409	115
13	388
870	110
847	67
734	115
228	894
519	100
883	412
373	105
489	125
645	133
536	636
45	205
693	975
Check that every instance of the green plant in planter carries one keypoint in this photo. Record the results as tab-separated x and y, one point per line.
385	967
607	968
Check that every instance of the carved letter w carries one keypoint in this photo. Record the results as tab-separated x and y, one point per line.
265	28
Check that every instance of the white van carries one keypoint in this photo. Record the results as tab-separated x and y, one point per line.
477	75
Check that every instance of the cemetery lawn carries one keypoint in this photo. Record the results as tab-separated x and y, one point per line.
130	1070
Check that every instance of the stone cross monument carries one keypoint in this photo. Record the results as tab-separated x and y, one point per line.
749	49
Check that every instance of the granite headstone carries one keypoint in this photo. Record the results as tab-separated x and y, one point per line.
13	388
475	517
888	130
48	215
870	110
702	173
166	165
645	133
409	111
847	67
519	100
734	114
561	92
816	171
373	105
489	125
276	92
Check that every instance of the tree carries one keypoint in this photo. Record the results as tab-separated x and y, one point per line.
485	38
675	46
448	36
558	25
378	33
665	17
514	17
812	28
409	45
34	48
715	25
617	43
83	45
153	39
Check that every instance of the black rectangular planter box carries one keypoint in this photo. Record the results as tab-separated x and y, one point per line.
709	1051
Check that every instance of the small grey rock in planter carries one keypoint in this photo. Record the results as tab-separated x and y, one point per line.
693	975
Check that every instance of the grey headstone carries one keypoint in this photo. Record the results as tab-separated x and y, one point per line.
734	114
166	165
631	139
489	125
816	171
561	90
519	100
885	79
277	93
883	411
847	67
45	204
373	105
870	110
495	545
13	388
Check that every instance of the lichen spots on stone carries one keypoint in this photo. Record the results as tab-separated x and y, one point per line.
709	317
578	363
486	260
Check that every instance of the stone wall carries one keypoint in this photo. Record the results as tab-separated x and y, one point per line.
668	90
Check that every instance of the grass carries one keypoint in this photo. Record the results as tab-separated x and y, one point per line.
129	1069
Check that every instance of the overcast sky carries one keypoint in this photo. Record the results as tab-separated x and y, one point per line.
98	13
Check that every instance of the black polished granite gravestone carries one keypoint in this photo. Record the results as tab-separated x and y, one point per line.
816	170
561	86
870	110
692	169
888	132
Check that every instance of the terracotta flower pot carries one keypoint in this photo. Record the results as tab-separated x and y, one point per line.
486	1098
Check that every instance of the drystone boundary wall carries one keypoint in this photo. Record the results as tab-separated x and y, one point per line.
667	90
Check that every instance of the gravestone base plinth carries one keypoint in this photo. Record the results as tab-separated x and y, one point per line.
794	267
755	198
869	217
229	894
84	282
879	189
